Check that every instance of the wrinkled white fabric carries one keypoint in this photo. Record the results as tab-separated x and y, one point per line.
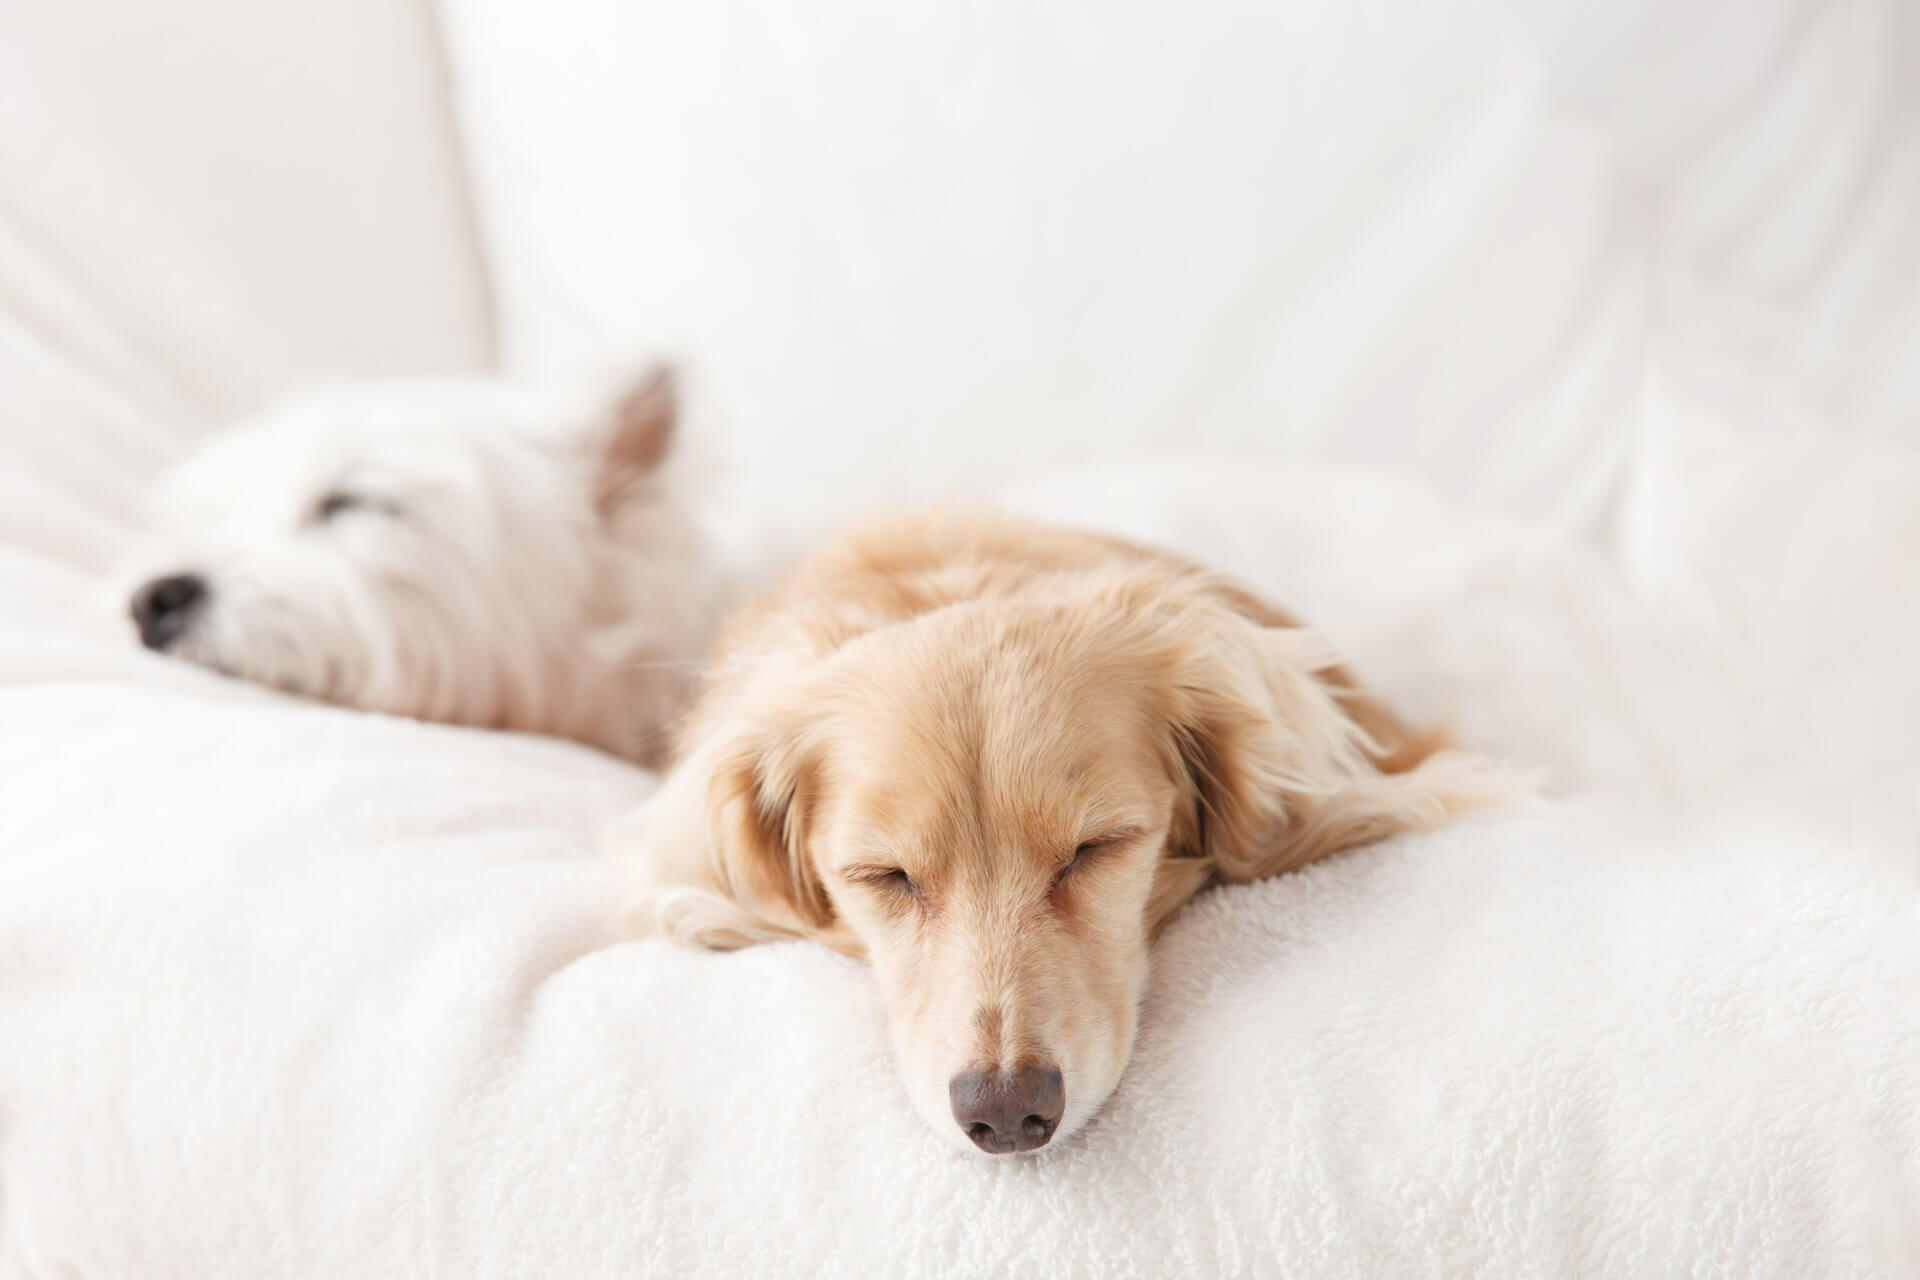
293	991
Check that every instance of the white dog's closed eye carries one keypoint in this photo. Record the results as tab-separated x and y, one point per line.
342	501
468	551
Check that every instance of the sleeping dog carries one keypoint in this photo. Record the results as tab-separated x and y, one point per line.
470	551
993	758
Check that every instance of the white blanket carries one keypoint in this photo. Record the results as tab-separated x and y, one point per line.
291	991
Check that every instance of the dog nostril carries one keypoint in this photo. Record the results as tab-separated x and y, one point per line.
1004	1111
163	607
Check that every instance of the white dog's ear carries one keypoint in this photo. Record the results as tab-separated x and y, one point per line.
636	436
1279	772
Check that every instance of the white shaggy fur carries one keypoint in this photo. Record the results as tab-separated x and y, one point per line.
469	551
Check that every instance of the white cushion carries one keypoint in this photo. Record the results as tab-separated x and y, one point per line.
202	206
924	248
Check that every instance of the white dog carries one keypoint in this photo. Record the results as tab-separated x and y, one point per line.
468	551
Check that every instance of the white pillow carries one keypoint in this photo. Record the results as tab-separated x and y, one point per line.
204	204
1793	550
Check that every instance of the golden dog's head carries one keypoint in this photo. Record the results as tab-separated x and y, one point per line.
999	802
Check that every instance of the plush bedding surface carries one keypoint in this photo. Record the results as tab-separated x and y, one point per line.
289	990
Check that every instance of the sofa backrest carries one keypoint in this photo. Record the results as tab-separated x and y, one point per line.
203	204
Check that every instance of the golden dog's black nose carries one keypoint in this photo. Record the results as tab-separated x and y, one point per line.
1005	1111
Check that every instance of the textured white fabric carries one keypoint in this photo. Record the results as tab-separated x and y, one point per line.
290	991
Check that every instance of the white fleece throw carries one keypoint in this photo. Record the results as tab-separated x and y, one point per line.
289	991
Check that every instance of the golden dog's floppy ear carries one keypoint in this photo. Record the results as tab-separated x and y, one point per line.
1268	734
719	854
757	798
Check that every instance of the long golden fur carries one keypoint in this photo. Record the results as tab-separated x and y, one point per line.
993	758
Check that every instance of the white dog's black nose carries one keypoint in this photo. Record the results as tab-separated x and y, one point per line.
1004	1111
164	608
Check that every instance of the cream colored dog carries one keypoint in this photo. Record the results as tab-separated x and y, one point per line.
993	758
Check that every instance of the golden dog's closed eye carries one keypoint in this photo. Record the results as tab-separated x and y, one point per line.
891	881
1088	852
993	759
